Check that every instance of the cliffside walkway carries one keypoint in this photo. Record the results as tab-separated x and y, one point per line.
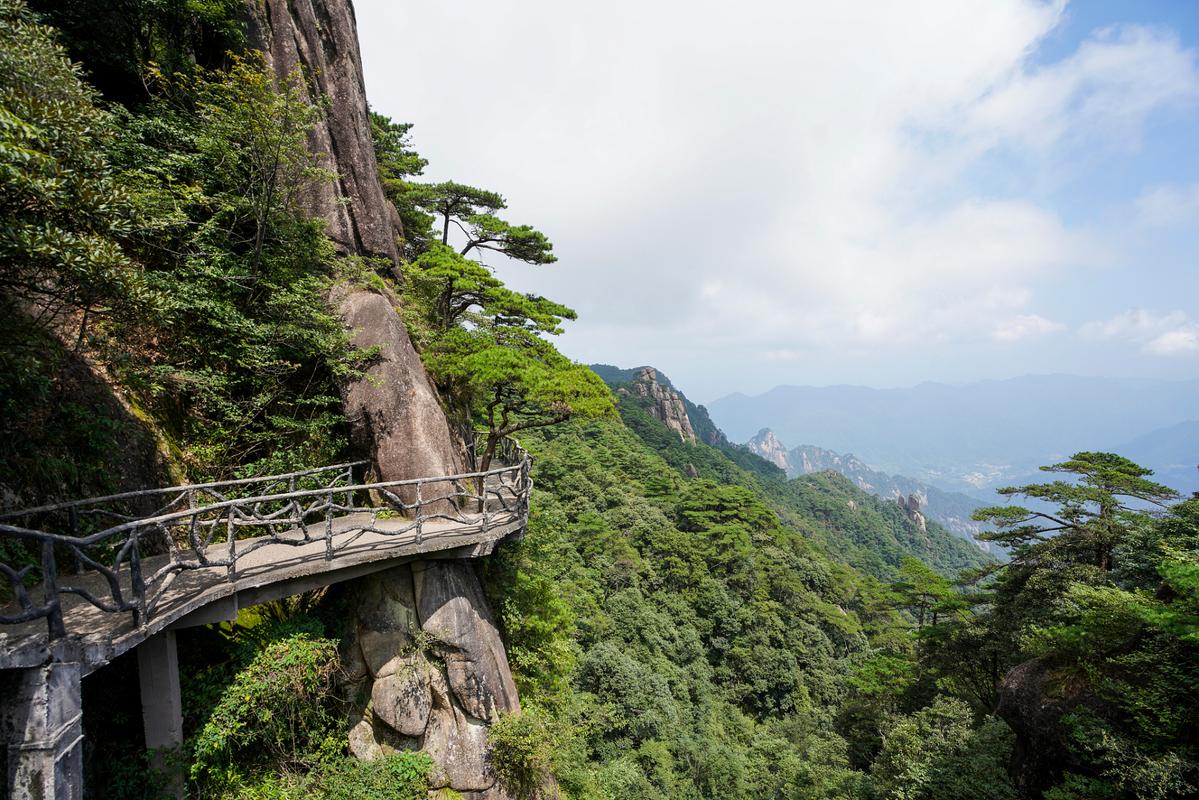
127	570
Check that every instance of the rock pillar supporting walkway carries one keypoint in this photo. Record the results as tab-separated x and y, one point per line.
41	708
162	709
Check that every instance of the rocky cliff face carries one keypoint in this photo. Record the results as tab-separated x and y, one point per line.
394	411
1035	701
768	446
667	406
321	39
425	660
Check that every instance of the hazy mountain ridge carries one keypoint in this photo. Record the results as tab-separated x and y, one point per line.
951	509
974	437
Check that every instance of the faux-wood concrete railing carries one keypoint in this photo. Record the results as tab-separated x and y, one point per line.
214	526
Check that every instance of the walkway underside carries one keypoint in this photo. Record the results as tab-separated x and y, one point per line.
271	569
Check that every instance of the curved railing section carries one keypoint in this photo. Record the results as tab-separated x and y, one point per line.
139	542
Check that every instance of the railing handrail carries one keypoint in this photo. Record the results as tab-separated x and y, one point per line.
24	512
141	522
276	508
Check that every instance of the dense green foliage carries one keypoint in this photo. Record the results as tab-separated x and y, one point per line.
241	367
684	641
62	215
160	246
1101	591
61	212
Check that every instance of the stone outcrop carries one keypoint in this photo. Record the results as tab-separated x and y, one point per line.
429	671
911	507
321	39
666	405
393	409
423	654
768	446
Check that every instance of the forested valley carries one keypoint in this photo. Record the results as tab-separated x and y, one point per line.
681	619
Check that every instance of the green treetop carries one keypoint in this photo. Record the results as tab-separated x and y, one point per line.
924	592
507	376
1094	511
482	342
472	211
398	162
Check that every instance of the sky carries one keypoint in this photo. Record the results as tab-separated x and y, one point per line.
879	193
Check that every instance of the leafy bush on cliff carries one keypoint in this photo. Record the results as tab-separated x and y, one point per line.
279	710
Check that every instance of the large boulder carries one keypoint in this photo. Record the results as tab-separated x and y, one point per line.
394	412
454	612
429	671
1035	699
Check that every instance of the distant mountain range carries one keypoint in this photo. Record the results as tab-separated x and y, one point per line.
951	509
976	437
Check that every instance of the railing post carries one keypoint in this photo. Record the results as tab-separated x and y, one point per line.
420	534
50	588
73	525
230	535
295	504
136	581
525	484
192	524
486	513
329	527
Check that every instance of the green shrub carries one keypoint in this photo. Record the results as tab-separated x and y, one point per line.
401	776
279	710
522	748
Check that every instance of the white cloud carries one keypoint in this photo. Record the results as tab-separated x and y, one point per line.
1176	342
773	177
1162	206
1107	88
1024	327
1169	334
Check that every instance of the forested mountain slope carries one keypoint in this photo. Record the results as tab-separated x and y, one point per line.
680	637
952	510
866	531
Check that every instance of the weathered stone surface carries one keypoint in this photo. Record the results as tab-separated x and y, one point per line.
452	609
441	698
911	507
321	38
393	410
1033	700
668	407
363	745
457	743
766	444
41	732
403	699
